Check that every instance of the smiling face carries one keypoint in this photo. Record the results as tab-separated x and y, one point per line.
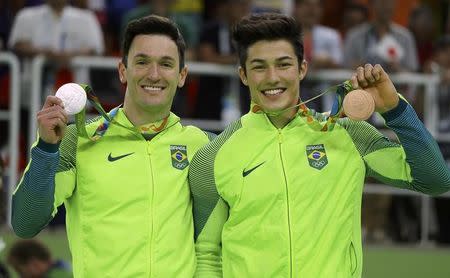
152	75
273	76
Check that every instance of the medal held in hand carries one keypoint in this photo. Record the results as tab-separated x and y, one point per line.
73	97
358	105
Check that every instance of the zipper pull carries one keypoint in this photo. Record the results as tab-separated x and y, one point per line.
280	136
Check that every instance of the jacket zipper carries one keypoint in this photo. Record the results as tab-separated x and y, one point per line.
280	141
151	208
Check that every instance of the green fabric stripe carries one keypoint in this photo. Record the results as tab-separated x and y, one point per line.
32	202
68	146
367	138
211	136
201	178
68	149
428	168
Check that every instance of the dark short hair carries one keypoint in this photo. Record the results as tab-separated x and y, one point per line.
153	25
266	26
22	251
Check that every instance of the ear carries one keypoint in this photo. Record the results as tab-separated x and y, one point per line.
122	69
182	77
303	68
243	76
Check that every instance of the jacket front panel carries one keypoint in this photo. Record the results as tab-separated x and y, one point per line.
131	213
284	178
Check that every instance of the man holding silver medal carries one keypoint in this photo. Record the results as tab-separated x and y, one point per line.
278	193
122	177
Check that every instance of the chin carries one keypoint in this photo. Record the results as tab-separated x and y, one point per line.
274	108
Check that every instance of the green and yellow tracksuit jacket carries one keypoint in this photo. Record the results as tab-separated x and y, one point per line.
129	211
286	202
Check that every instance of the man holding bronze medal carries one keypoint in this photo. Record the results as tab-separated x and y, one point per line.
278	193
123	176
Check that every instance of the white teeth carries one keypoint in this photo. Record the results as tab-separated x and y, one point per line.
273	92
152	88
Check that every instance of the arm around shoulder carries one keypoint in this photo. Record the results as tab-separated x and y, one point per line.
210	213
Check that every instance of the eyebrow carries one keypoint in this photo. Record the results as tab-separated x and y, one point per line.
142	55
257	60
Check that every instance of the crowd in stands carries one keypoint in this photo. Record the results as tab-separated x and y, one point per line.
62	29
366	33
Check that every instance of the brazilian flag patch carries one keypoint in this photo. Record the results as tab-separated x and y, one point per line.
317	157
179	156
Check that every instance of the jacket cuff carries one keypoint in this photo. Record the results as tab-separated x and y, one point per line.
47	147
395	112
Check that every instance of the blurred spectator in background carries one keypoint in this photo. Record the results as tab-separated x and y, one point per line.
32	259
115	10
354	15
162	8
322	45
215	47
440	64
107	88
274	6
422	26
57	31
190	11
322	49
8	10
99	8
381	41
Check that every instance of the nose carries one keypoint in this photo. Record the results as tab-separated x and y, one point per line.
153	72
272	75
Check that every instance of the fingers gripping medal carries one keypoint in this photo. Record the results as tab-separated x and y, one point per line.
73	97
358	105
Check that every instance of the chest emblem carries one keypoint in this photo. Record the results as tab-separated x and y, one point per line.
317	157
179	156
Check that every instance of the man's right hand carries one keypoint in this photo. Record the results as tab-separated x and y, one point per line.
52	120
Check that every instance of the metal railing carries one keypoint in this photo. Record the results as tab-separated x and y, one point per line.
12	115
430	83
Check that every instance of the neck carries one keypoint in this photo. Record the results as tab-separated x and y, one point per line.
280	121
57	9
142	117
381	27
